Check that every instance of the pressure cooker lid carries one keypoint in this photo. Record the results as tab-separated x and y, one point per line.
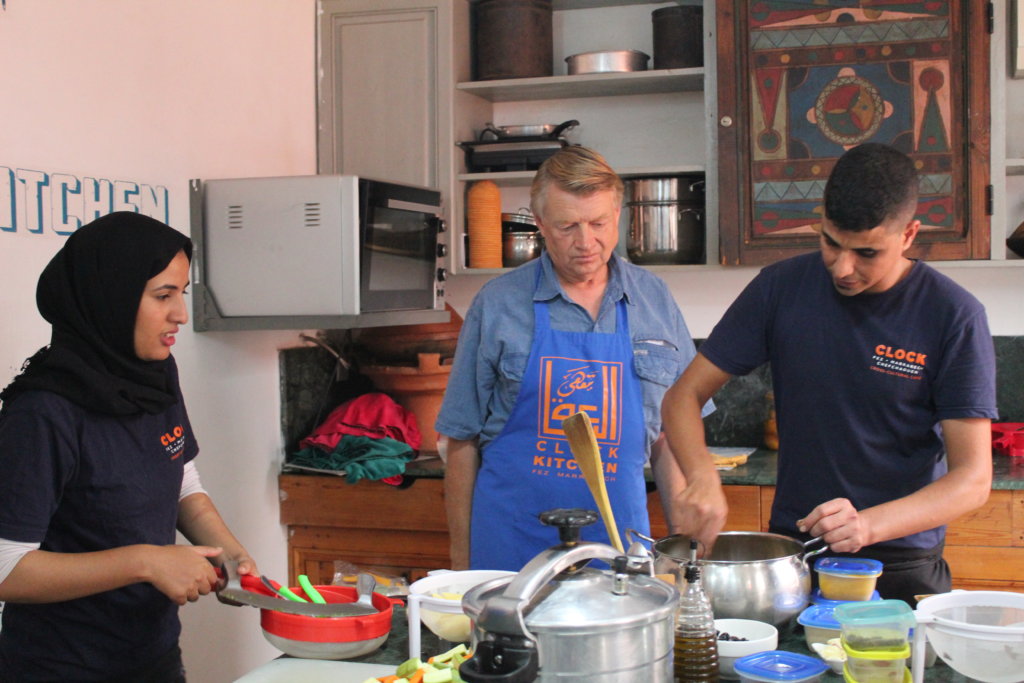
584	598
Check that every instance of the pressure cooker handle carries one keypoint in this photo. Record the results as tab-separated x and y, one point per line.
505	613
501	660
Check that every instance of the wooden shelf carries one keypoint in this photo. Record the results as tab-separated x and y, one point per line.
526	177
1015	167
559	5
588	85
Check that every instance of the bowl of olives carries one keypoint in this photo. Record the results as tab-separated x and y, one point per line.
739	638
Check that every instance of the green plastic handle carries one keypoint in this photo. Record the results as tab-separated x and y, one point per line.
286	592
313	594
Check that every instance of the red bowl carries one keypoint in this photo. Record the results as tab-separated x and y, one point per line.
326	637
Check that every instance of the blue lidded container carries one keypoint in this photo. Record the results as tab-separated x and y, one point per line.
818	599
819	624
847	578
778	665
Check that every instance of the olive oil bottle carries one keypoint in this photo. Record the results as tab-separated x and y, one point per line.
695	655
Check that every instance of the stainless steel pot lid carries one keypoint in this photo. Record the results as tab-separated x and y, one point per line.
584	601
522	221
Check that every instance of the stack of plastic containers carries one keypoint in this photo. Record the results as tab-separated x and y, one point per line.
876	638
840	580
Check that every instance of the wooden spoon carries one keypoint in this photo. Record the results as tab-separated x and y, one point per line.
583	445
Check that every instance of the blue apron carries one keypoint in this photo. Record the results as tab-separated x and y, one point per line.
528	468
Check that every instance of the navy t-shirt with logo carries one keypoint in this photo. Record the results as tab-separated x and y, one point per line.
861	383
76	481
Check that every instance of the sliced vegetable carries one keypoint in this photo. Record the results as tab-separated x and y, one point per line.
437	676
459	649
408	667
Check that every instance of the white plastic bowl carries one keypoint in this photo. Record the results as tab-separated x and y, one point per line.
443	616
760	637
833	653
979	634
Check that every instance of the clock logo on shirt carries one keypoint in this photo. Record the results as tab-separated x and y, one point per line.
174	442
897	361
571	385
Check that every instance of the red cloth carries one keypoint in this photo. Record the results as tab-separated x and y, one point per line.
374	415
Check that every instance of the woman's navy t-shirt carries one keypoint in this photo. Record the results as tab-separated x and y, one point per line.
76	481
860	382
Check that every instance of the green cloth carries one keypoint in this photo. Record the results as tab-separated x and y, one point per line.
359	457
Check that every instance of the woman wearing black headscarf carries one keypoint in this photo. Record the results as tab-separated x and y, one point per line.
96	456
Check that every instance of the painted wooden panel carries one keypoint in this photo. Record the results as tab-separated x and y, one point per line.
813	79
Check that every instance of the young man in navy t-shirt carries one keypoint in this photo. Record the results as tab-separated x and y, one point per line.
883	372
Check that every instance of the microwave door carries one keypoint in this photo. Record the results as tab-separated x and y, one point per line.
398	260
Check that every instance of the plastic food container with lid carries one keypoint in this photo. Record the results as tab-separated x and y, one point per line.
819	624
818	599
875	626
847	578
876	666
778	665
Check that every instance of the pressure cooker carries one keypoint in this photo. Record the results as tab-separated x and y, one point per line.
560	620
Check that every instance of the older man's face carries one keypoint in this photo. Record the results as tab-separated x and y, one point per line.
580	232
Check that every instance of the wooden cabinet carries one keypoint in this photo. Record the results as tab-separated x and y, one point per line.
404	532
384	88
370	524
797	88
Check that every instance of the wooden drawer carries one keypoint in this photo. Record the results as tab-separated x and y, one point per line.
330	502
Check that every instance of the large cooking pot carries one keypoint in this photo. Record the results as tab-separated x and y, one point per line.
666	220
749	574
554	621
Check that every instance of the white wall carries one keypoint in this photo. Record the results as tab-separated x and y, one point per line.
155	93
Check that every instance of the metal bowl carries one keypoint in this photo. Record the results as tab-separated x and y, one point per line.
607	61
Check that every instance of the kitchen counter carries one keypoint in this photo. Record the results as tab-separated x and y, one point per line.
759	470
396	650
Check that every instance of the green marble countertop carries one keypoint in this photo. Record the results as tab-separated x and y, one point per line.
396	650
759	470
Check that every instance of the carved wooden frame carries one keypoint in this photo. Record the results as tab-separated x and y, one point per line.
964	231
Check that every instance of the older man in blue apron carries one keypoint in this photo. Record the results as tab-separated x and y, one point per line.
578	329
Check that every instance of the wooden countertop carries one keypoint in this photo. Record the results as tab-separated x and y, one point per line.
759	470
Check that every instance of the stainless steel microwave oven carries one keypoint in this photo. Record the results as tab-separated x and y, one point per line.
324	245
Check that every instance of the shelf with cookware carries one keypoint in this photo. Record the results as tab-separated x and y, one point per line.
647	123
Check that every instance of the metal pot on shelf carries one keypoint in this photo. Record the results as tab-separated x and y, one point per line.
557	620
520	239
666	220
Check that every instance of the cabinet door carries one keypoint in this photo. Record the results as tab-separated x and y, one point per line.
382	89
800	84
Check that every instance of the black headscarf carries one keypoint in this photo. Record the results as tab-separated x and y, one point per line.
90	293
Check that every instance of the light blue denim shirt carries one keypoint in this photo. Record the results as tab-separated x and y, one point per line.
497	334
